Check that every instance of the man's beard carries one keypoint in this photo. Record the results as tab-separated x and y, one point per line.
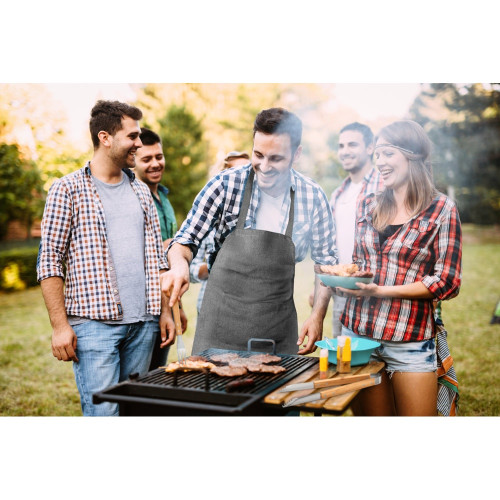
123	159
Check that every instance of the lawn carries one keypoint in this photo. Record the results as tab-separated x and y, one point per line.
33	382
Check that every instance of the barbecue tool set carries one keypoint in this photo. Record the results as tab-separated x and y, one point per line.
344	385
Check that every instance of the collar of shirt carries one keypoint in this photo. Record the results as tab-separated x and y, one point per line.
163	189
368	180
218	205
127	171
255	200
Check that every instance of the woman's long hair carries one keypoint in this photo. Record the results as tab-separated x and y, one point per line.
411	137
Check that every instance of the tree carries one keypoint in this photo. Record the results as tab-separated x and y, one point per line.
463	122
185	157
20	189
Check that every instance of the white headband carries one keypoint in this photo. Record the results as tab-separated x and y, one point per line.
393	146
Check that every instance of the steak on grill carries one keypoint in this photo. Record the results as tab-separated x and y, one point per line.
188	365
265	358
196	358
240	384
224	357
261	368
229	371
235	365
245	362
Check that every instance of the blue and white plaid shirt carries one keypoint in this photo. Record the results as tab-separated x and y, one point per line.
218	205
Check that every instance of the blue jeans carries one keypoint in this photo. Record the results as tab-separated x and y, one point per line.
108	354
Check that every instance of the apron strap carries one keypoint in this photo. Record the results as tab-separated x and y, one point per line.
246	201
289	228
246	204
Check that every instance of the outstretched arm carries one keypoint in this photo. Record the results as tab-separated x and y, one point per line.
175	281
313	326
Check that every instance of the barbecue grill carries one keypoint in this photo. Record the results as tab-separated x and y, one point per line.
202	394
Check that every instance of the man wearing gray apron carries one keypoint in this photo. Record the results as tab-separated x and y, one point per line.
248	295
262	229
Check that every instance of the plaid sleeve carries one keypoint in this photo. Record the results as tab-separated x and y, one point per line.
323	249
445	282
55	232
202	216
196	263
162	259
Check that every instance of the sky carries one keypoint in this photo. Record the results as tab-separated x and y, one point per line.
371	101
77	100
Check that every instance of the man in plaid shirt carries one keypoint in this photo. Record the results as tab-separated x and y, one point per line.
355	150
250	289
100	260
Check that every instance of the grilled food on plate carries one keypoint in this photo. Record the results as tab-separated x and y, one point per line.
347	270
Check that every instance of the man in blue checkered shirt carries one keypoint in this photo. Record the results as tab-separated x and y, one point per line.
283	216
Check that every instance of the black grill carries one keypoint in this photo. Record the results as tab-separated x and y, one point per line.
197	393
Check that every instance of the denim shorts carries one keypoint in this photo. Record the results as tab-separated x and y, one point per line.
412	357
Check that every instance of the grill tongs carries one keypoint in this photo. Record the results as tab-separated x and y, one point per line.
348	386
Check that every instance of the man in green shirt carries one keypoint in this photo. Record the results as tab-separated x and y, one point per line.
149	168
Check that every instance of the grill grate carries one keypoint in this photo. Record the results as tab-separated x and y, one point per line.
197	380
158	393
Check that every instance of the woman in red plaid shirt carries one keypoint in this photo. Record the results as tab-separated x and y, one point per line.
409	237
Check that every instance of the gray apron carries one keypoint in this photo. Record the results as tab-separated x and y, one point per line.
249	293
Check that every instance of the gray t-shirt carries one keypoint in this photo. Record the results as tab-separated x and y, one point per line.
125	234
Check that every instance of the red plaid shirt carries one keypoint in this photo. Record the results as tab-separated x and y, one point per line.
74	236
428	248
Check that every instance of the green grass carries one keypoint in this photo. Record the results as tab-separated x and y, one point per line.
33	382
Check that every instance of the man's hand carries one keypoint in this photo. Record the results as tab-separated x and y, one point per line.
313	326
64	344
175	281
167	327
184	320
313	330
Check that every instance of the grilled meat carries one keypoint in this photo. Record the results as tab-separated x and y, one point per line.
261	368
188	365
265	358
245	362
240	384
197	358
349	270
224	357
229	371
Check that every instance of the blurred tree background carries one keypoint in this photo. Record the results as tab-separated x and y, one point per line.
200	122
463	121
20	189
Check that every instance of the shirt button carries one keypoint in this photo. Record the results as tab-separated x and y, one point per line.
111	268
115	290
